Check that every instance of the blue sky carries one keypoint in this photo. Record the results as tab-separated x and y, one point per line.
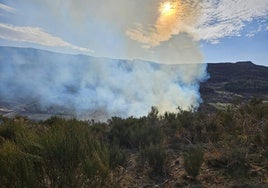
192	31
238	48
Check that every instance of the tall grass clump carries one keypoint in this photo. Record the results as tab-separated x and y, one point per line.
155	156
193	160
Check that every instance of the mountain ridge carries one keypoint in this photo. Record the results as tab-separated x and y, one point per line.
228	82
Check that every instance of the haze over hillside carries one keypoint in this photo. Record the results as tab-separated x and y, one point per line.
39	84
85	86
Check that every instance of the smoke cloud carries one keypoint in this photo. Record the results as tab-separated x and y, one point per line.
85	84
174	17
120	29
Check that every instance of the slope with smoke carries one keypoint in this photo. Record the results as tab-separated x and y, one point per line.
85	84
119	29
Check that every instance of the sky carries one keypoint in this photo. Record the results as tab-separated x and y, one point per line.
169	32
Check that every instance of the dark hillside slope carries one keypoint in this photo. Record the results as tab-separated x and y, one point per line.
230	82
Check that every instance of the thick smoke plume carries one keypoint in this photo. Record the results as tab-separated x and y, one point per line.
119	29
85	84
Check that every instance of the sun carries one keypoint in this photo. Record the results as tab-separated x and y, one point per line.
166	8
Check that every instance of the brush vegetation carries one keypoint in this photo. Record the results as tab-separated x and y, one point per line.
225	148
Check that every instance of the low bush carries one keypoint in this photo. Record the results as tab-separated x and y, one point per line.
117	157
134	133
19	169
155	155
193	160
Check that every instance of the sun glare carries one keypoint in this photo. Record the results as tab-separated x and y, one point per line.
166	8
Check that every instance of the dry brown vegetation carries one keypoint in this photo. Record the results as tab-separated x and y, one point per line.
225	148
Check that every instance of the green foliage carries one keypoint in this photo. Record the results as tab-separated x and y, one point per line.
237	162
117	157
212	131
96	166
265	134
193	160
67	146
134	133
19	155
61	153
9	129
120	131
155	155
19	169
145	134
72	153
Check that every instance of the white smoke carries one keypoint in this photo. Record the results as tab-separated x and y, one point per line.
84	84
119	29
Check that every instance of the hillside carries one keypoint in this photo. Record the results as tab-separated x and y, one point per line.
228	82
222	148
234	82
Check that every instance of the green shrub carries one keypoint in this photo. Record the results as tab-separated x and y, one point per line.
119	132
234	155
193	160
237	165
19	169
61	153
155	155
96	166
212	131
145	134
265	135
72	155
117	157
134	133
9	129
20	160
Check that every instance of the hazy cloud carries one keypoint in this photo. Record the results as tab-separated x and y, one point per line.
208	20
225	18
34	35
174	17
7	8
134	29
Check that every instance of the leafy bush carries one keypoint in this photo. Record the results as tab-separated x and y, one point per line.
9	129
19	169
96	166
116	156
134	133
67	146
19	155
234	155
155	155
193	160
265	133
237	162
145	134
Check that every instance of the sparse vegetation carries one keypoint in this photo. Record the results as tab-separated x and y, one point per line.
155	155
225	147
193	160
